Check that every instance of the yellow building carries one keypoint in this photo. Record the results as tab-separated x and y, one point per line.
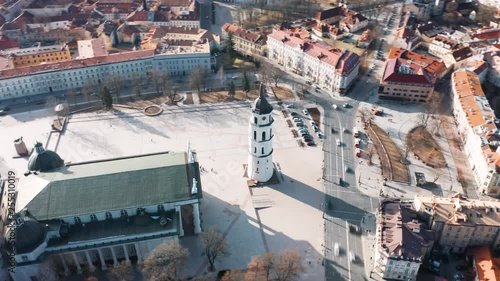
37	55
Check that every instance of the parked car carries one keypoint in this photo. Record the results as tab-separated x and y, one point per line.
312	123
336	249
338	142
345	105
461	267
305	112
334	106
299	124
304	133
294	114
320	135
333	130
352	256
311	143
316	129
297	119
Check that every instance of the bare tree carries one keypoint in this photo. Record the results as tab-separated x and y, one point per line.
197	78
173	93
51	102
114	83
214	245
71	95
233	275
51	269
220	73
436	174
165	262
276	75
89	88
264	72
136	84
260	268
423	120
283	266
366	115
406	151
120	272
369	151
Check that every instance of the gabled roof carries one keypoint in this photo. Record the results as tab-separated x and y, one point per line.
330	13
114	184
399	70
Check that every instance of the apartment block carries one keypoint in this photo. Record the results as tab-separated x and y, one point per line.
478	129
245	41
409	76
332	69
37	55
402	241
442	45
460	222
176	58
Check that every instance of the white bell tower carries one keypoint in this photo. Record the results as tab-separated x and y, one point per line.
260	147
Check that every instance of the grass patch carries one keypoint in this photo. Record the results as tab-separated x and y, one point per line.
283	93
398	170
315	115
345	46
425	147
213	97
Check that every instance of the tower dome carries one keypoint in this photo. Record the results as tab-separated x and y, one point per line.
44	160
261	105
29	234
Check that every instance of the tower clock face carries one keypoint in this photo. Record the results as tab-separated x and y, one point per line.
263	118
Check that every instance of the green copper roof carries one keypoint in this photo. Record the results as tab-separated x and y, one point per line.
115	184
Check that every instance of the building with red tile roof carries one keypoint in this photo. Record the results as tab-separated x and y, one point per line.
332	69
245	41
486	265
478	128
354	22
402	241
409	76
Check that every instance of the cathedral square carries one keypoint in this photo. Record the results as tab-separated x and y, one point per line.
220	135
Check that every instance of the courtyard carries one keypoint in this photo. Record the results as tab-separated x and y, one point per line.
218	132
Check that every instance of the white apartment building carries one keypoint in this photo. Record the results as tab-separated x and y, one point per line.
402	241
460	222
332	69
178	58
442	45
477	127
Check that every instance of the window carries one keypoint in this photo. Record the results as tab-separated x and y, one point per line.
255	150
109	216
263	136
161	208
255	135
93	217
262	150
77	220
123	213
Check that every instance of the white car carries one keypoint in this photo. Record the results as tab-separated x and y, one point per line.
334	106
338	142
336	249
352	256
345	105
305	112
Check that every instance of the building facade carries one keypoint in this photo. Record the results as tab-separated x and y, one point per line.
176	58
409	76
37	55
442	45
478	130
332	69
143	201
260	150
402	241
460	222
245	41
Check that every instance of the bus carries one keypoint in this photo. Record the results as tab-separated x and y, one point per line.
355	132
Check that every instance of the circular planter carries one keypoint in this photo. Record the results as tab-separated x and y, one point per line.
152	110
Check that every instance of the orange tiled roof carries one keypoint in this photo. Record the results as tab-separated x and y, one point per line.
487	266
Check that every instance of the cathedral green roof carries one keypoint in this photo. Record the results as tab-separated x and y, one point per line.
115	184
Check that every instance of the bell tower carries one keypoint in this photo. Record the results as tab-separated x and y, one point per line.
260	145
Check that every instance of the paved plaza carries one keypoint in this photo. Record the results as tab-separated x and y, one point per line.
219	135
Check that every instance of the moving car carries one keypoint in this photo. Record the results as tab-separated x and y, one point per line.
336	249
345	105
338	142
352	256
334	106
